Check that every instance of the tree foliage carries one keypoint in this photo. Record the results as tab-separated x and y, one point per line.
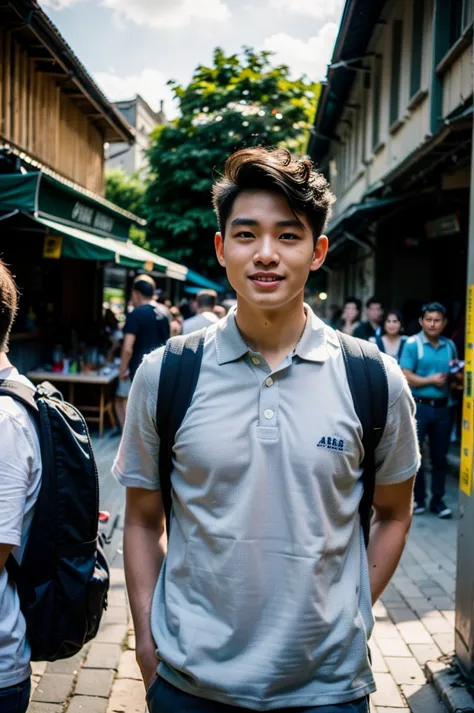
241	100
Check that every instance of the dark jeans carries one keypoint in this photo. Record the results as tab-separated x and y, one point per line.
164	698
15	699
437	424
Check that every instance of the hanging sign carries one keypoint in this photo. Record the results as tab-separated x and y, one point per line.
53	245
467	437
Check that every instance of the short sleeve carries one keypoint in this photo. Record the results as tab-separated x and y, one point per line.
136	464
131	323
408	358
17	460
397	456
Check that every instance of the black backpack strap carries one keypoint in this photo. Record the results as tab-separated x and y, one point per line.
19	392
178	378
368	383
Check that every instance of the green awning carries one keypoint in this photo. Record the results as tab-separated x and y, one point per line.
80	245
196	279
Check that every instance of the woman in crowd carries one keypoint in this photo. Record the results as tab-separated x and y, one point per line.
390	339
350	318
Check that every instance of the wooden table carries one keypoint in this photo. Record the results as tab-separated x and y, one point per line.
103	381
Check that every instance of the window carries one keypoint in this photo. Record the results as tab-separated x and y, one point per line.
461	16
416	46
376	92
397	38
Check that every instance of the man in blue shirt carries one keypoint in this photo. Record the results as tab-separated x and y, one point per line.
426	362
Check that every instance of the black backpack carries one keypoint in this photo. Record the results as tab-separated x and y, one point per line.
367	381
63	578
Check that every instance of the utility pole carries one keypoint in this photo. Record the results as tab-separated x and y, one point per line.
464	638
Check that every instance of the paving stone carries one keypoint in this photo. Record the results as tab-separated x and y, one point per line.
71	665
87	704
131	641
111	633
103	656
423	699
401	614
425	652
386	630
95	682
436	623
378	662
117	598
445	642
36	707
38	668
115	615
392	710
413	632
393	647
54	687
127	697
387	693
128	667
405	670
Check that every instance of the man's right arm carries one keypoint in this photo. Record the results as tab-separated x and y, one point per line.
145	534
408	364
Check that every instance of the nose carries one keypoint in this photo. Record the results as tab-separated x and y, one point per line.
266	253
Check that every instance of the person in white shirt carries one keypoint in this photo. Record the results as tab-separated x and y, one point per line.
206	301
20	480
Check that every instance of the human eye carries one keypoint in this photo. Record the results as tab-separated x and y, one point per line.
245	234
289	236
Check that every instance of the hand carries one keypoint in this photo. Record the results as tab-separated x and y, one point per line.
148	664
439	379
124	375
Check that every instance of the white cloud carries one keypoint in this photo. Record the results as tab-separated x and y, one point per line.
150	84
58	4
168	13
319	9
311	57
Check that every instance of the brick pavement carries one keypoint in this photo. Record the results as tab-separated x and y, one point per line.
414	624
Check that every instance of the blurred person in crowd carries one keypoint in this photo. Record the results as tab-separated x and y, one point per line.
368	329
206	302
350	317
146	327
390	339
220	311
427	360
334	316
176	322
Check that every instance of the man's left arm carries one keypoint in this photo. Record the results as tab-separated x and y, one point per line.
397	461
393	505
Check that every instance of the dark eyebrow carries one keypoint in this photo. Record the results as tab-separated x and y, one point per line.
290	223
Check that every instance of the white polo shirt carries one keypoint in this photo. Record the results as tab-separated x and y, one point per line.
264	598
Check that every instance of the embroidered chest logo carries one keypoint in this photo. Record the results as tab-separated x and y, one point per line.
333	443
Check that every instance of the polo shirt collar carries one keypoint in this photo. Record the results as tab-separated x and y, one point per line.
312	346
442	340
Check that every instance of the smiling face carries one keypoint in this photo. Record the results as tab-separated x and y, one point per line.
268	251
392	325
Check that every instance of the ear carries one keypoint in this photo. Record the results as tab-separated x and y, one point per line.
421	321
219	246
319	253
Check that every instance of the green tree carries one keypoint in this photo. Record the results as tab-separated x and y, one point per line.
128	192
241	100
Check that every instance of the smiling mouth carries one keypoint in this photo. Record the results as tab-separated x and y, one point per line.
266	278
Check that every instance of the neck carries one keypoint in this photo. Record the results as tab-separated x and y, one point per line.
204	309
271	332
5	363
392	337
432	340
374	325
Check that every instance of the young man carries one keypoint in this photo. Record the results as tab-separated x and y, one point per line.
206	301
367	330
146	327
264	599
426	361
20	479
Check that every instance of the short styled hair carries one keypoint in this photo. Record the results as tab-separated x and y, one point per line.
373	301
206	298
8	304
306	191
433	307
144	288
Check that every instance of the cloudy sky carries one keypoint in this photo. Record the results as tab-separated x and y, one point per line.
135	46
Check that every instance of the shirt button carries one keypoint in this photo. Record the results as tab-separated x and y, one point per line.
255	361
268	414
269	381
